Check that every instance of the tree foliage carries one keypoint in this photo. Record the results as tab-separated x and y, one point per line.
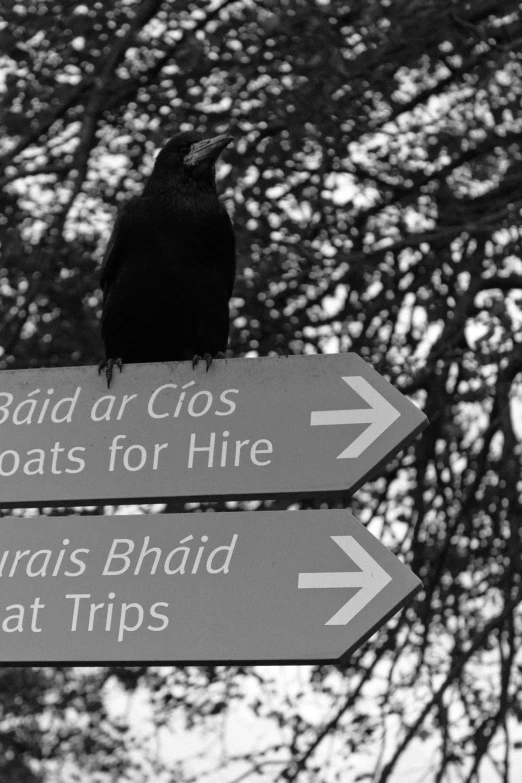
376	192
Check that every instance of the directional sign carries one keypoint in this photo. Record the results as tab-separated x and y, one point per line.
292	426
264	586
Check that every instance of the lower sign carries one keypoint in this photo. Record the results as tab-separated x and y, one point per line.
264	586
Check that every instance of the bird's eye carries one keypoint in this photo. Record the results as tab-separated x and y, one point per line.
185	150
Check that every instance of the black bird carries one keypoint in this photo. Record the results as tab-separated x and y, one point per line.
169	267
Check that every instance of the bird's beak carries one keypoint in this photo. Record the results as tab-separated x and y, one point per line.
204	153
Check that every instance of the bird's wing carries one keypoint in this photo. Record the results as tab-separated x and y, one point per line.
113	252
230	253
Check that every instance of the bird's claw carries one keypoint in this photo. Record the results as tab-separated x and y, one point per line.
108	364
207	358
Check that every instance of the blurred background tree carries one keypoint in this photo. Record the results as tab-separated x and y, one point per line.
376	190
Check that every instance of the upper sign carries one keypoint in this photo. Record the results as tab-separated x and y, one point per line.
264	586
293	426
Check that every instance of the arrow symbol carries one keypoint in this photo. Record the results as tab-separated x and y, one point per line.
371	579
380	415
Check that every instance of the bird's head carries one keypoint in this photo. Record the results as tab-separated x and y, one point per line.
191	156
